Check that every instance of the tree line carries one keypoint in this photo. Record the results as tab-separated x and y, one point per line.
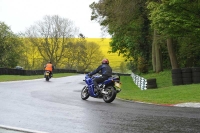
152	34
51	39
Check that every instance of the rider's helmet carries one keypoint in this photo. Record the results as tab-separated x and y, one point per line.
105	61
49	62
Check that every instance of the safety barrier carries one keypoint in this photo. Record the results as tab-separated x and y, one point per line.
139	81
143	83
8	71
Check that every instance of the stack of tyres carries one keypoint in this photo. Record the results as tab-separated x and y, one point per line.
151	83
186	75
177	77
1	71
196	75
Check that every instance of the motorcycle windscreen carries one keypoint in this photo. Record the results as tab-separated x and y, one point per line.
89	81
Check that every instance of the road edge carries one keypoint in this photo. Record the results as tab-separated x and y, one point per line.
188	104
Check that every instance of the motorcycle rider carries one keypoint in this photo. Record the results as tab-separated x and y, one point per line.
49	67
105	70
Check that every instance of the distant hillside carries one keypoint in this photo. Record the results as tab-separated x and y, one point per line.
114	59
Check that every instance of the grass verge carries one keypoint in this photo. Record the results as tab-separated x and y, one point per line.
166	93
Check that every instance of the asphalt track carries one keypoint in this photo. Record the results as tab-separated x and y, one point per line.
37	106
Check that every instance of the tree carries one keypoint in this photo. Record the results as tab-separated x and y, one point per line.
30	57
93	57
51	36
174	19
10	45
128	24
123	67
75	53
82	55
156	53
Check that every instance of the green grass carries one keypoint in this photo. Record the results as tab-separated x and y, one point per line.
166	93
4	78
163	79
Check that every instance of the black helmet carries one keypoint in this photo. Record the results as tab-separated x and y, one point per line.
49	61
105	61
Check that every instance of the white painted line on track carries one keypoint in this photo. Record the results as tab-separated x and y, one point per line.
21	80
19	129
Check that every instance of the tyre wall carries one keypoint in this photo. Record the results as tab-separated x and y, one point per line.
196	75
184	76
151	83
176	77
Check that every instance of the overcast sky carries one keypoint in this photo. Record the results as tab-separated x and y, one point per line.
21	14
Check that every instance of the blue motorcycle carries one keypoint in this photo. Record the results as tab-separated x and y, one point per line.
108	89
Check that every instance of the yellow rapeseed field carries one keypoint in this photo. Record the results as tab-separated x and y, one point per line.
114	59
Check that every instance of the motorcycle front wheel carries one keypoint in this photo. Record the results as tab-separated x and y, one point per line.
84	93
111	94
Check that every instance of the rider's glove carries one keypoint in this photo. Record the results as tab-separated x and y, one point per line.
89	75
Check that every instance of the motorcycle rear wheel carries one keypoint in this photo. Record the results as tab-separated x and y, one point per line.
84	93
108	98
47	78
